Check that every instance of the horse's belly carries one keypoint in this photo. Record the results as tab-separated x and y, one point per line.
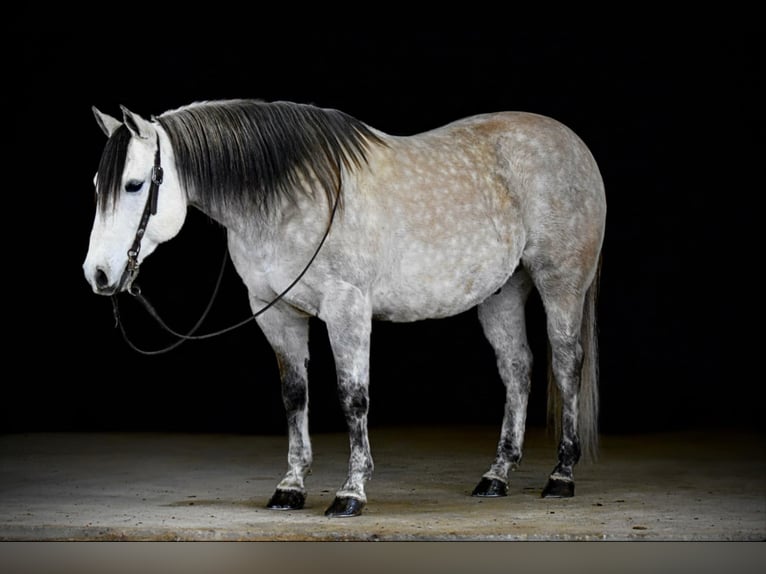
430	283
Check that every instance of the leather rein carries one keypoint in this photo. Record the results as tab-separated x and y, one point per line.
132	268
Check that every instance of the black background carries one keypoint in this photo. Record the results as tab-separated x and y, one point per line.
672	111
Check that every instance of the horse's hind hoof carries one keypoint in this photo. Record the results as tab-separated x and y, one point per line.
490	488
287	500
558	488
344	506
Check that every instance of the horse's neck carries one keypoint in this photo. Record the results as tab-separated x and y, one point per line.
249	226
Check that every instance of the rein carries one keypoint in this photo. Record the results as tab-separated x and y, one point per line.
132	268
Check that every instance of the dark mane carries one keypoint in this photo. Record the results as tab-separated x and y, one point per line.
246	154
111	166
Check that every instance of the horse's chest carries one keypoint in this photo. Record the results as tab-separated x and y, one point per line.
254	262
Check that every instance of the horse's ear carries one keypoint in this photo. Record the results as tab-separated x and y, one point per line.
137	125
106	122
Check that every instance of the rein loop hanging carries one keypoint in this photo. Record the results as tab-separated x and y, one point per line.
132	267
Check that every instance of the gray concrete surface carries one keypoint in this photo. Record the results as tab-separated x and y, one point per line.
151	486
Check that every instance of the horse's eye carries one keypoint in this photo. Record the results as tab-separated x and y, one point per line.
133	186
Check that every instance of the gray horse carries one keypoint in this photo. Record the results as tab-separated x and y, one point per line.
475	213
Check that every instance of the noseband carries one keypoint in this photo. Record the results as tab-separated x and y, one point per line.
131	267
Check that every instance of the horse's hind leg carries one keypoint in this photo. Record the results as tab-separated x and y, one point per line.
288	335
502	318
563	303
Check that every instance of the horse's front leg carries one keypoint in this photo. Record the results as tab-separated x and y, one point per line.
349	323
288	334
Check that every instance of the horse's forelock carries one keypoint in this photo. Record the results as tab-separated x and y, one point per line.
110	168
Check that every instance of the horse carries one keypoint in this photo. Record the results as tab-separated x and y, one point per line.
475	213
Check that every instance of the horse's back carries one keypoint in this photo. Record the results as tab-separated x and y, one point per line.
526	164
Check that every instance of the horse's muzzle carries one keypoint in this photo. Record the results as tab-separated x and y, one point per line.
102	286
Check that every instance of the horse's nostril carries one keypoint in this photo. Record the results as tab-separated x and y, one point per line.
101	279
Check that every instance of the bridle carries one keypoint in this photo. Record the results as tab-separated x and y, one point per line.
150	208
132	267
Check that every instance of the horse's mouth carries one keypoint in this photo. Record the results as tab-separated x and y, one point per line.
107	291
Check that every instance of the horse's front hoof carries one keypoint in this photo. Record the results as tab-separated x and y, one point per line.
344	506
490	488
287	500
558	488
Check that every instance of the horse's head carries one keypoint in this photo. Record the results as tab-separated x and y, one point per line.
136	159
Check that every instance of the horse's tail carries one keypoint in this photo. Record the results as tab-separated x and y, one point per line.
588	396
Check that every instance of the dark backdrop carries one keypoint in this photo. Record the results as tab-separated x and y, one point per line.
672	112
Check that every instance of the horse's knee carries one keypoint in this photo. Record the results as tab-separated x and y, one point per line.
294	385
355	402
294	395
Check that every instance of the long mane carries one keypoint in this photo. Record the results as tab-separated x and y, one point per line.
248	154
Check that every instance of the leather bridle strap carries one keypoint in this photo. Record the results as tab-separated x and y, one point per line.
131	267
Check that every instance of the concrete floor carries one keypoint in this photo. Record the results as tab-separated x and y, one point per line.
149	486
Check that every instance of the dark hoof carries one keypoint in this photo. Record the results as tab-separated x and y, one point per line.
287	500
557	488
490	488
344	506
